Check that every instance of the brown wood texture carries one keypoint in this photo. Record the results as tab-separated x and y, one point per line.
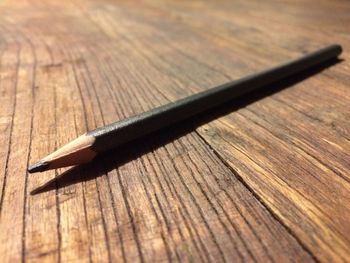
267	181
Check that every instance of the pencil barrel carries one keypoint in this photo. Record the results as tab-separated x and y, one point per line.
121	132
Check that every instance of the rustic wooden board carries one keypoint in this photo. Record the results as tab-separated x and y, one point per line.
263	181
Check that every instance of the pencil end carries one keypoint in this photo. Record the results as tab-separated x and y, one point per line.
38	167
338	48
75	152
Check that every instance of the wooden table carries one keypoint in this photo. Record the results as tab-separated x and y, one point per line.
265	179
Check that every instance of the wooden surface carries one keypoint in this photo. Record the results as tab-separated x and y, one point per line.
262	181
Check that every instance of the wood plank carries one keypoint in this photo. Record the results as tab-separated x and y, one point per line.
253	185
330	143
137	187
42	240
317	170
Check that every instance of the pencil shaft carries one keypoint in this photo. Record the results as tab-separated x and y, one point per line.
121	132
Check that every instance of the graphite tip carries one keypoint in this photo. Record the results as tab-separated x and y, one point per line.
38	167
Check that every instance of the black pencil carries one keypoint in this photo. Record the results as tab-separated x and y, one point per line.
87	146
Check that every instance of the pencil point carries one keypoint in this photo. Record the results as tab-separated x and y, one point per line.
38	167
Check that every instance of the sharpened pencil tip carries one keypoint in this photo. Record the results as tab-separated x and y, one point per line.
38	167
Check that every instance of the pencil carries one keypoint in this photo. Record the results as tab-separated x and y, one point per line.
87	146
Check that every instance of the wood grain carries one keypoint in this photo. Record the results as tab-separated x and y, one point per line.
266	182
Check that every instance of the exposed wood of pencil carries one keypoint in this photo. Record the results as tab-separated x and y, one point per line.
75	152
86	147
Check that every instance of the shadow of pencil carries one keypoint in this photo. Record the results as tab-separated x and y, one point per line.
115	158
